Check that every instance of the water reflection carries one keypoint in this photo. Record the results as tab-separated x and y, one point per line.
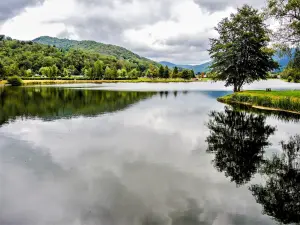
283	116
280	195
238	140
54	103
129	167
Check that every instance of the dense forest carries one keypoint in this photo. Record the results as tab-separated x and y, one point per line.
104	49
29	59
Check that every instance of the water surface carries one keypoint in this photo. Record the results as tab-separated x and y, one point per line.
84	154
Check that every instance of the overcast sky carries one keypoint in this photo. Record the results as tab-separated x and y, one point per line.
169	30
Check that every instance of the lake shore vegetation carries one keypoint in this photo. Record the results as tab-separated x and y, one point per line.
285	101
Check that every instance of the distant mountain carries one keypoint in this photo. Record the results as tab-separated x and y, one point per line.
197	68
170	65
283	62
202	67
105	49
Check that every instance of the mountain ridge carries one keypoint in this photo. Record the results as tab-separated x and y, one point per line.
204	67
90	45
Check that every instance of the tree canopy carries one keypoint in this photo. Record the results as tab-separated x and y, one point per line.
288	14
241	55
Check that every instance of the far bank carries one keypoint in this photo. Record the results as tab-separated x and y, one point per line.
140	80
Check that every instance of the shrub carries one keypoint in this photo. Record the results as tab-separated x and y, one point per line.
288	72
297	76
285	103
289	79
15	81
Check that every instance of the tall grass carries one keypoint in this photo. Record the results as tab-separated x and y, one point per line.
286	100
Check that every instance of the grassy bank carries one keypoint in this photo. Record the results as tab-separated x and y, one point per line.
285	101
140	80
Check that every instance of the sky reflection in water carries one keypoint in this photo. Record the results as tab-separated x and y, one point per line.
99	157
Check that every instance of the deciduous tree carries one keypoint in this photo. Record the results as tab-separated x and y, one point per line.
241	54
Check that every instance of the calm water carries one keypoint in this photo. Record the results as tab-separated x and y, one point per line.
142	154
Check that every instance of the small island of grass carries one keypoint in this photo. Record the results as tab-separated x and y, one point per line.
285	101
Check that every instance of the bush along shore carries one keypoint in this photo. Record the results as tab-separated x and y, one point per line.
33	81
284	101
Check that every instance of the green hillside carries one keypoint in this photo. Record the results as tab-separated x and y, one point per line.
29	59
26	59
105	49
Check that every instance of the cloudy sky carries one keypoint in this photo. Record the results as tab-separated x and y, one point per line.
170	30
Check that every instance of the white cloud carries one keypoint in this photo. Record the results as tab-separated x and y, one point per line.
33	21
174	30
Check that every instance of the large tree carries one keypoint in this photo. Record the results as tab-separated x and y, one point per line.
240	54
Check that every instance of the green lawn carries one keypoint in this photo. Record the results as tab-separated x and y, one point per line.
289	93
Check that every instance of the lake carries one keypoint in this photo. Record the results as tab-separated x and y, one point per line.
143	154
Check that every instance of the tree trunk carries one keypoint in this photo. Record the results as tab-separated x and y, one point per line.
235	88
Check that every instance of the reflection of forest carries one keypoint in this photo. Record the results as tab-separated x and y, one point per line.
53	103
238	140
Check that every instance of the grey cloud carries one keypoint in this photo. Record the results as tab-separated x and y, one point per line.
110	21
182	49
10	8
218	5
99	29
65	34
198	40
175	54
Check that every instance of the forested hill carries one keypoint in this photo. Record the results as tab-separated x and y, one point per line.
28	59
105	49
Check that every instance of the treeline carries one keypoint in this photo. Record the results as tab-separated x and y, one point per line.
28	59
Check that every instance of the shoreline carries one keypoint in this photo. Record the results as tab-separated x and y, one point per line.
258	107
269	101
143	80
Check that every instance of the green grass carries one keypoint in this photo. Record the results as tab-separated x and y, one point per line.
275	100
288	93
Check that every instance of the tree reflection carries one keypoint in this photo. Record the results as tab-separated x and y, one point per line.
238	140
280	195
283	116
54	103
